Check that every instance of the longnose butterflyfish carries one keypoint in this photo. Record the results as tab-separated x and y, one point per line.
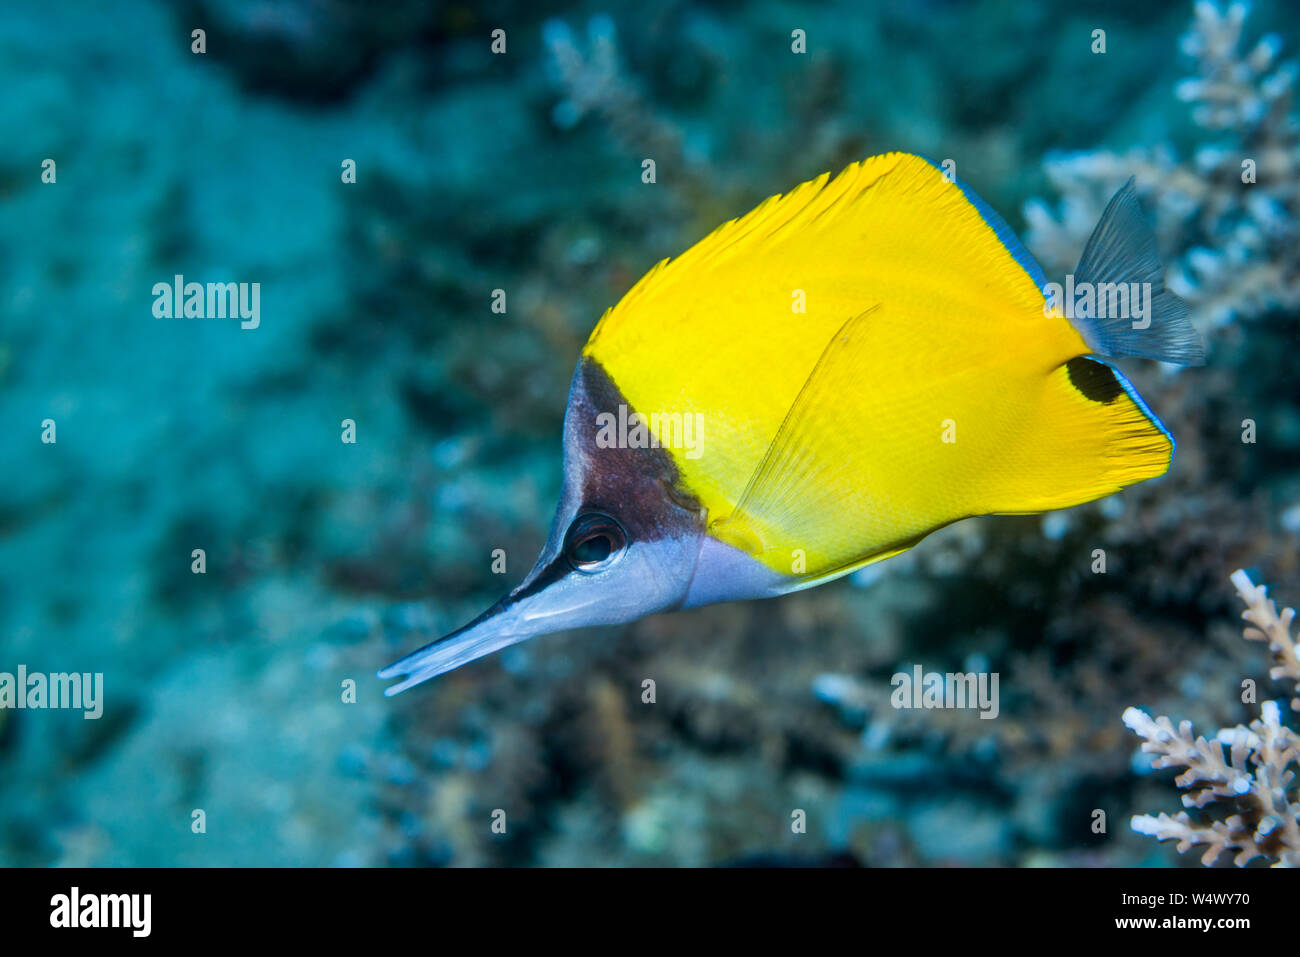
823	382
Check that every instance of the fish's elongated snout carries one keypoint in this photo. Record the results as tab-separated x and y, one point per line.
555	597
547	601
500	626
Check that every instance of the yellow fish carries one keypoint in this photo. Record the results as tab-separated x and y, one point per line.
822	383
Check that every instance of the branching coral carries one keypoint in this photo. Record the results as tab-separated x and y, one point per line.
1229	213
1271	627
594	82
1255	777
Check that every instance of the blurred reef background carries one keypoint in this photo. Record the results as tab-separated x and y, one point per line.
522	172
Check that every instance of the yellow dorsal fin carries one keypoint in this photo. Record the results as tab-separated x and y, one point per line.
895	207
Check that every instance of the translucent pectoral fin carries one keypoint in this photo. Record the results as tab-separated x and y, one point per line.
791	514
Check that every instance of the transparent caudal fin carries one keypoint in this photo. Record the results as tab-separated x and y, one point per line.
1121	306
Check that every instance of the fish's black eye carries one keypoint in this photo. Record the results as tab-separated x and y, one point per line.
594	542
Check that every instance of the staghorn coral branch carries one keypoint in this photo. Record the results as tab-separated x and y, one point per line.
594	82
1255	777
1219	836
1209	775
1273	628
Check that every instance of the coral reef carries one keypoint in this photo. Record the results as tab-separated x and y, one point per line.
1255	780
1228	214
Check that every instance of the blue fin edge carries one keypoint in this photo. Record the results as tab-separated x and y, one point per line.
1140	402
1006	235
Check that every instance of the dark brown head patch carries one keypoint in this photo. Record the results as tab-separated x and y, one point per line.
641	487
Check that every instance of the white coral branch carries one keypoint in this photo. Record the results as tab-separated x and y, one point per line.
1273	628
1218	837
1256	775
594	82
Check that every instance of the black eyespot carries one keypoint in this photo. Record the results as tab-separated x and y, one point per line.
1094	379
594	542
